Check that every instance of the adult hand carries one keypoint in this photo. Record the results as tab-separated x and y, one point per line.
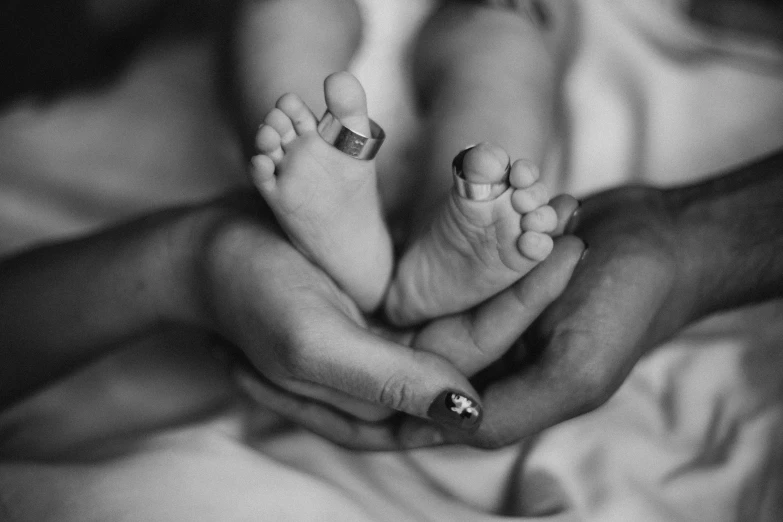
631	292
218	266
489	329
658	260
300	332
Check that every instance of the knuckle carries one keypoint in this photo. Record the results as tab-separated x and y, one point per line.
295	355
397	392
493	439
592	387
588	376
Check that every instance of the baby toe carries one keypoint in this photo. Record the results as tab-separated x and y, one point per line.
523	174
268	142
281	123
529	199
262	172
543	219
535	245
298	112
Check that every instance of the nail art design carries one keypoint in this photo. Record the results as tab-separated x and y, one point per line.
454	409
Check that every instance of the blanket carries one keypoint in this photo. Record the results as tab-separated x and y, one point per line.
648	95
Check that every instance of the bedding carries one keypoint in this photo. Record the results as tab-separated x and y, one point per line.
693	434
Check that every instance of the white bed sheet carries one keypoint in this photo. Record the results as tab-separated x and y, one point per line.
694	434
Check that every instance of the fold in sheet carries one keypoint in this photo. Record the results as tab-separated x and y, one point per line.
694	434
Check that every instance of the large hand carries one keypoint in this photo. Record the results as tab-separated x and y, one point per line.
304	335
629	293
488	329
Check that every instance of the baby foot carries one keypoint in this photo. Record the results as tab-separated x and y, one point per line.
474	249
325	200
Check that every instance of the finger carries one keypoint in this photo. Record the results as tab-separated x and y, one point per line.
567	209
358	408
544	394
329	422
340	355
475	339
586	344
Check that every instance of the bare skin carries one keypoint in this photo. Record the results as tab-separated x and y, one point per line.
262	47
328	204
471	250
325	200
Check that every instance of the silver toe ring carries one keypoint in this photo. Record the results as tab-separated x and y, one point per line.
476	191
348	141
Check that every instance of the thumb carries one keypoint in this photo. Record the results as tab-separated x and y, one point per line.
353	360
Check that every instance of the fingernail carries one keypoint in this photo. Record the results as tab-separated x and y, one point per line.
584	252
573	221
456	410
422	437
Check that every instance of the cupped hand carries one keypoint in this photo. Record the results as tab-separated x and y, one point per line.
304	335
489	329
631	292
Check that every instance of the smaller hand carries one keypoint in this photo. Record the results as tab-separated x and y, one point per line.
305	336
490	328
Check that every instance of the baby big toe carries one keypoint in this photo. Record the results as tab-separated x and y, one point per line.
485	163
346	100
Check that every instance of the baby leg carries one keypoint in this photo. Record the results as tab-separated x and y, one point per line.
472	249
325	200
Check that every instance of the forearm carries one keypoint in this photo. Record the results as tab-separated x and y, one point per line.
732	235
62	305
279	46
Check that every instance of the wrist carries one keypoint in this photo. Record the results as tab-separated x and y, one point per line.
184	249
731	236
205	248
693	236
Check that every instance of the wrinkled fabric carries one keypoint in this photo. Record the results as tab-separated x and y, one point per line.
694	433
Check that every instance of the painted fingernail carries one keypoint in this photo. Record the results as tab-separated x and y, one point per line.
573	221
456	410
585	251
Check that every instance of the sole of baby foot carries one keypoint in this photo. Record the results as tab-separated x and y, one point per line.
325	200
474	249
